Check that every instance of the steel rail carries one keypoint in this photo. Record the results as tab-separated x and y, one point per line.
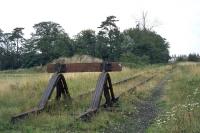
113	84
94	107
58	81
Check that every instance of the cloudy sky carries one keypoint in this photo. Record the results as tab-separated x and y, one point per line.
178	20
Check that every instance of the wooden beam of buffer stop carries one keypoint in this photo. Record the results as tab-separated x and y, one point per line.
58	81
84	67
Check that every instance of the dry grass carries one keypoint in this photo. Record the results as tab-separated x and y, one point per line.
181	103
19	92
77	59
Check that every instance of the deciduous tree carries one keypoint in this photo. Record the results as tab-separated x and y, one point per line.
109	39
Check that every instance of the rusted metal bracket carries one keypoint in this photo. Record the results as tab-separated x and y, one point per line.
104	85
104	78
57	81
84	67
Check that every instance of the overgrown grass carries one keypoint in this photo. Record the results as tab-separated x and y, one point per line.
181	102
20	92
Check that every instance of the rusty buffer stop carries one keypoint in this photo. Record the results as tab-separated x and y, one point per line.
58	82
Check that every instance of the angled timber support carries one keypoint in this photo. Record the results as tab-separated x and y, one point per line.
57	81
104	85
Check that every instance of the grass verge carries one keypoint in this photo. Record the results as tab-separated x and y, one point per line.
180	103
19	93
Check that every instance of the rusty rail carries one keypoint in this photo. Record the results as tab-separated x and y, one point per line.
127	79
84	67
95	104
113	84
45	97
130	90
57	81
104	85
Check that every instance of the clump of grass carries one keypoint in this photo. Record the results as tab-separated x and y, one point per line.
77	59
24	91
182	102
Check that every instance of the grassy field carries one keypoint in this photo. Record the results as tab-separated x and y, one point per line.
179	104
21	91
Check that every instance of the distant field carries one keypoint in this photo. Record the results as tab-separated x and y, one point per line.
22	91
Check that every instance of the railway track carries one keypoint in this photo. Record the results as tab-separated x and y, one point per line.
86	115
130	90
103	85
89	113
39	109
114	84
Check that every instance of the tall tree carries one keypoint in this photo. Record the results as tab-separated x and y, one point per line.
2	50
109	39
7	51
85	42
145	24
50	41
17	38
5	41
17	41
149	43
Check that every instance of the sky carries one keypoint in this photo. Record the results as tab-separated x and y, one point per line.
176	20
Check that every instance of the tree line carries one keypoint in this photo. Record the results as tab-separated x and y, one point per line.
195	57
50	41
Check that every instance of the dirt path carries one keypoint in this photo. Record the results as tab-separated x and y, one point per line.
145	114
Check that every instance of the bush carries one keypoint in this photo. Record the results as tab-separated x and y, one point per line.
133	60
193	57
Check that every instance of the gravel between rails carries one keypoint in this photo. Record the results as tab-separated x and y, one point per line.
146	112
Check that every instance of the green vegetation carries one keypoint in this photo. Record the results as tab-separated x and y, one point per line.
180	102
20	92
49	41
191	57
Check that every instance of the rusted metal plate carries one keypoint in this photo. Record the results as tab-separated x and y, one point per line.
104	84
57	81
82	67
